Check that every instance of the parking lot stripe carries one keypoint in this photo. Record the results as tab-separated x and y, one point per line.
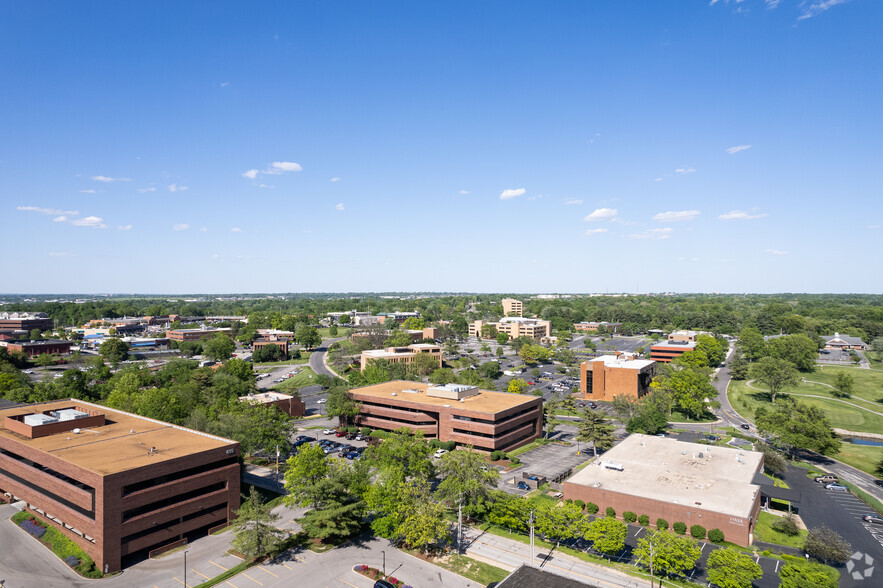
234	585
250	578
286	566
219	565
347	583
180	582
268	571
200	573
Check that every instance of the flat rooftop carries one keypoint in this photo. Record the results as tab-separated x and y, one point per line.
668	470
120	445
622	362
675	344
484	401
265	397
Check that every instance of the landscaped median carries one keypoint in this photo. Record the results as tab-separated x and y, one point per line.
64	548
376	574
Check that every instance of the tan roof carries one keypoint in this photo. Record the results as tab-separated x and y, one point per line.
484	401
671	471
114	447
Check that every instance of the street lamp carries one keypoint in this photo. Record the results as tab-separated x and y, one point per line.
384	563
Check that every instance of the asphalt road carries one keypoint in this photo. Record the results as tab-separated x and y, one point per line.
318	355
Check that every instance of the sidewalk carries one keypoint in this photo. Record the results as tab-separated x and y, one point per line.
509	554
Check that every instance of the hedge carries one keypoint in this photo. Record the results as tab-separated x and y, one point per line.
610	512
580	504
497	455
629	517
60	545
679	528
378	434
644	520
352	429
661	524
697	531
716	536
591	508
365	430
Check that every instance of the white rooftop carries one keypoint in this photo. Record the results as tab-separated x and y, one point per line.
623	362
669	470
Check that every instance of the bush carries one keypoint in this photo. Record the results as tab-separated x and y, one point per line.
766	553
449	445
365	430
72	561
697	531
785	525
569	501
610	512
378	434
661	524
591	508
353	429
580	504
679	528
644	520
33	527
514	460
629	517
716	536
497	455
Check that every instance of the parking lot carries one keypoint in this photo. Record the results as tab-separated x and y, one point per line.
627	344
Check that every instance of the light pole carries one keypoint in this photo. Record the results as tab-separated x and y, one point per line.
384	563
185	568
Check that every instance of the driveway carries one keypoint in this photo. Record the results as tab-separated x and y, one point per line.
317	358
549	460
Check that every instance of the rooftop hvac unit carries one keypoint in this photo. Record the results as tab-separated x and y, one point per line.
610	465
699	455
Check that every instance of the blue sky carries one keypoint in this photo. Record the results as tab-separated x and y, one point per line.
730	146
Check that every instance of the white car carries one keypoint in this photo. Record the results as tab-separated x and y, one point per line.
440	452
29	371
322	401
329	432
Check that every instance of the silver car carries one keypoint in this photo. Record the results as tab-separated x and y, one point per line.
836	488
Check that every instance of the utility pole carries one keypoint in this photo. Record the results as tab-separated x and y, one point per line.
531	537
651	561
277	467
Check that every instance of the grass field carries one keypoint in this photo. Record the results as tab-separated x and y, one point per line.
868	383
863	457
842	416
763	531
341	332
306	377
304	358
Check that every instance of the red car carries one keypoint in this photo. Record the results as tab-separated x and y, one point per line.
340	434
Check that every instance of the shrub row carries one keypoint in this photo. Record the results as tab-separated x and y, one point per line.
33	527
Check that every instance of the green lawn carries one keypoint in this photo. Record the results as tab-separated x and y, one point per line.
763	531
875	358
341	332
305	377
868	383
863	457
467	567
843	416
679	417
304	358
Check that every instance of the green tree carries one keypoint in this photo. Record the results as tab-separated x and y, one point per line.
827	546
44	360
738	367
499	352
533	353
338	507
219	347
398	339
255	427
877	345
256	534
625	407
424	364
510	512
306	469
308	337
420	520
341	405
777	374
516	386
464	475
752	344
843	384
728	568
443	376
332	330
561	521
490	370
595	428
607	535
691	391
114	350
489	332
714	349
671	555
799	426
502	338
649	421
803	574
799	350
35	335
414	323
241	370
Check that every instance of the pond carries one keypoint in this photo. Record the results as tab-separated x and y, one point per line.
864	442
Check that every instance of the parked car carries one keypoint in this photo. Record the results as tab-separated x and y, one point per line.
522	486
29	371
383	584
440	452
340	434
329	431
836	488
873	518
593	406
322	401
827	479
350	436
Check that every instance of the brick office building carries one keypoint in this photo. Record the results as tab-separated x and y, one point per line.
463	414
402	354
35	348
24	321
676	481
195	334
117	484
622	374
669	350
290	405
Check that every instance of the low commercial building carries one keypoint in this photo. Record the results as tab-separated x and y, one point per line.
597	326
512	307
35	348
666	351
686	335
622	374
24	321
290	405
117	484
486	420
402	354
137	344
398	317
181	335
838	341
515	327
676	481
280	342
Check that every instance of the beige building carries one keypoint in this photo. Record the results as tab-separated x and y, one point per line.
402	354
622	374
512	307
687	336
515	327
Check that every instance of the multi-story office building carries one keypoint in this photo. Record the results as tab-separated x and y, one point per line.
512	307
515	327
24	321
604	377
669	350
464	414
196	334
402	354
117	484
596	326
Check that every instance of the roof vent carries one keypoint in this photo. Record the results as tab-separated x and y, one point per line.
131	431
76	431
393	394
700	456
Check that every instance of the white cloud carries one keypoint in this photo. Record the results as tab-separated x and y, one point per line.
142	190
772	4
572	201
215	256
90	191
775	252
464	192
595	231
741	215
685	170
236	230
511	193
59	219
335	179
817	7
264	186
659	179
600	214
225	84
872	227
95	222
176	188
675	216
180	227
110	179
202	229
278	167
339	206
737	149
47	210
251	174
653	234
61	254
124	227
